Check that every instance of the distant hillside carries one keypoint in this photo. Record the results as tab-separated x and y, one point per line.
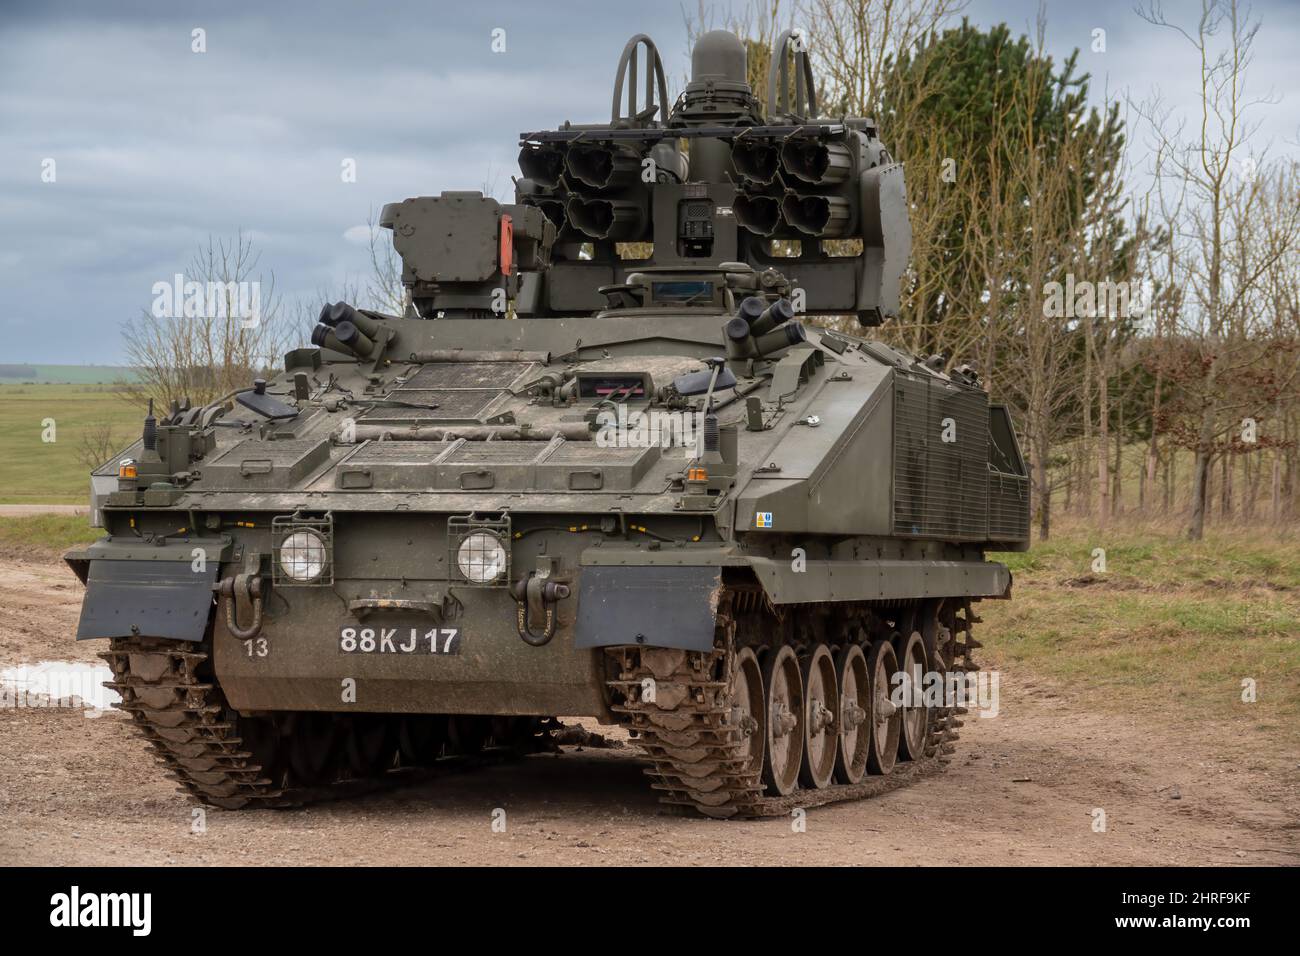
65	374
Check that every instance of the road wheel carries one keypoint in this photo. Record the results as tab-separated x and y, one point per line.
420	738
886	719
854	737
467	733
784	730
820	718
370	746
312	738
916	716
747	708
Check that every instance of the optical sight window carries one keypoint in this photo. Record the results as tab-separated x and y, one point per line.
681	292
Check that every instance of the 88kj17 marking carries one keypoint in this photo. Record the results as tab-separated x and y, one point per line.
399	640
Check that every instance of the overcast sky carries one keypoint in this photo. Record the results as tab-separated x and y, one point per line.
156	147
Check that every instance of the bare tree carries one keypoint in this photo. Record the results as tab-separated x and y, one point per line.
217	331
97	444
1221	178
856	45
1040	370
384	284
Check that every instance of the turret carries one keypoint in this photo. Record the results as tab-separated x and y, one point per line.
818	197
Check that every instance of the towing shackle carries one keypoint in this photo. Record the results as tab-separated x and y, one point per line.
536	597
237	593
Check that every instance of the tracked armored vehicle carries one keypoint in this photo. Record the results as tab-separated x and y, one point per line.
618	459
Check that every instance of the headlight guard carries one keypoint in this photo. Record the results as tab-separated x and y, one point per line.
479	550
303	551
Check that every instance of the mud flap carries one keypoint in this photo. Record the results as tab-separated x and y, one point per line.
148	598
648	606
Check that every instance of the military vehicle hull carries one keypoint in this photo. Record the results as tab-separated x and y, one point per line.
662	585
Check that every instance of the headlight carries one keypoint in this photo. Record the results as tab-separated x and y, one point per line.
302	555
481	558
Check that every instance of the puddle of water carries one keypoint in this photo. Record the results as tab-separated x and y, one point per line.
71	684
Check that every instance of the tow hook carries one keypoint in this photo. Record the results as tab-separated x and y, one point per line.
238	592
536	596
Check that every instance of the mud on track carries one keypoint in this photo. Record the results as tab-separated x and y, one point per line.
86	791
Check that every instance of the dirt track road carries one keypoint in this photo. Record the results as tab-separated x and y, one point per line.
75	790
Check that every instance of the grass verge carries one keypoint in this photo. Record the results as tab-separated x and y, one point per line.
1170	624
45	535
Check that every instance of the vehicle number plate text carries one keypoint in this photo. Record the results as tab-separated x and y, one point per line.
399	640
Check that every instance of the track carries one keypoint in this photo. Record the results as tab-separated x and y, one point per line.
702	739
226	760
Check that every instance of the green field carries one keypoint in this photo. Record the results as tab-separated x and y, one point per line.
34	374
33	470
45	535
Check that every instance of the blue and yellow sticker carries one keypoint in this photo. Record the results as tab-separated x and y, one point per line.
763	519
